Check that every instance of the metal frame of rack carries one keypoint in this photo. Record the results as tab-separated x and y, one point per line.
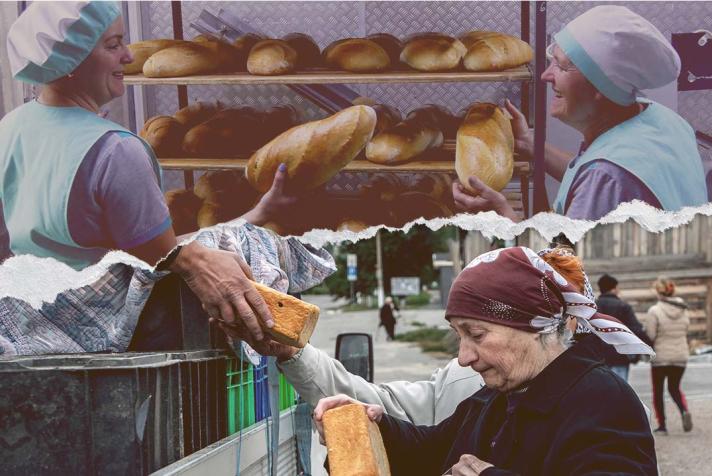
524	171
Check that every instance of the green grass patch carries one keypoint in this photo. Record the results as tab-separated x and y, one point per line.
430	339
421	299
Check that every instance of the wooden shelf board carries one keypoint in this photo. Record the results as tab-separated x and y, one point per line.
522	73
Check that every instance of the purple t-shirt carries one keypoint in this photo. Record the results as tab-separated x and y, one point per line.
115	201
600	186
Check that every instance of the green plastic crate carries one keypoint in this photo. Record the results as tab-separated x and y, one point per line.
240	396
287	394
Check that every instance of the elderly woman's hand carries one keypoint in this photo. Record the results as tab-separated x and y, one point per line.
469	465
482	200
523	136
374	412
221	280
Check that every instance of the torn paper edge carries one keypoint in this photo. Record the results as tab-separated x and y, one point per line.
39	280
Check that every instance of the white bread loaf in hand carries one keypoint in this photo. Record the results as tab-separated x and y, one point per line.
271	57
142	50
354	443
433	52
313	152
492	51
485	147
406	140
185	59
294	319
357	55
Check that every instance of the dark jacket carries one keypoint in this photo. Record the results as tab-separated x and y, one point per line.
612	305
576	418
386	315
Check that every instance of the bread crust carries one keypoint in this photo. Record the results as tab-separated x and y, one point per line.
271	57
142	50
357	55
187	59
492	51
433	52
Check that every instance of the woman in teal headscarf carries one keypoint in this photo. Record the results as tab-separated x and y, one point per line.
74	185
633	148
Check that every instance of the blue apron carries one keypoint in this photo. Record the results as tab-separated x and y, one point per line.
41	149
657	146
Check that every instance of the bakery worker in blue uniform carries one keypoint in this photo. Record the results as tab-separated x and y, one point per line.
633	148
74	185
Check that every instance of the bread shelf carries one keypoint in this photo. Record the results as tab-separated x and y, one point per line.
523	73
444	166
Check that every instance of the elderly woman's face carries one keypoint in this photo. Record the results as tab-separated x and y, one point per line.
505	357
574	95
101	75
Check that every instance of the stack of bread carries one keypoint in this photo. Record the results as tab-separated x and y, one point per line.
207	130
380	52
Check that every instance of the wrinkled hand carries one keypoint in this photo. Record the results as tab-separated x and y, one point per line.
266	346
374	412
221	280
523	136
469	465
277	202
483	199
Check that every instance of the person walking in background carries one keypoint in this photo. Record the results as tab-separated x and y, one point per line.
667	326
610	303
388	317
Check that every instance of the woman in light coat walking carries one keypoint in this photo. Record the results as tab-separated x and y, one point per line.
667	325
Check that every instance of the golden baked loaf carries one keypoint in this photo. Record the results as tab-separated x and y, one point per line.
271	57
357	55
406	140
186	59
229	133
193	114
313	152
230	59
433	52
164	134
392	45
308	53
492	51
485	147
142	50
294	319
354	443
183	206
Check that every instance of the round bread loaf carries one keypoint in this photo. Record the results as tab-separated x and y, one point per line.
433	52
229	133
357	55
392	45
164	134
313	152
485	147
229	58
271	57
491	51
193	114
308	53
187	59
142	50
387	117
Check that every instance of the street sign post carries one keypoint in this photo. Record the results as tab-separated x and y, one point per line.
351	272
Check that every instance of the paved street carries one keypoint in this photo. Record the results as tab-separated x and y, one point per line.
679	453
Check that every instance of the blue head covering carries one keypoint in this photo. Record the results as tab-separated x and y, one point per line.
50	39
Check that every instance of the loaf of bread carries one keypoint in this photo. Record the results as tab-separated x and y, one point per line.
357	55
313	152
406	140
354	443
308	53
294	319
185	59
386	117
278	119
224	195
229	133
193	114
271	57
433	52
485	147
142	50
229	58
392	45
492	51
183	206
164	134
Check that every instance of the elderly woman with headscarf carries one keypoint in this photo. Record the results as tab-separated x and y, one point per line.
633	148
545	409
75	185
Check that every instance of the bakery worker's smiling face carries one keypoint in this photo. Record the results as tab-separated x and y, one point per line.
574	96
101	74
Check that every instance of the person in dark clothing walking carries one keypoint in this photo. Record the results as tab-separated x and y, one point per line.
609	303
388	319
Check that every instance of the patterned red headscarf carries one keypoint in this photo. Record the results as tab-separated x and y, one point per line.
515	287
